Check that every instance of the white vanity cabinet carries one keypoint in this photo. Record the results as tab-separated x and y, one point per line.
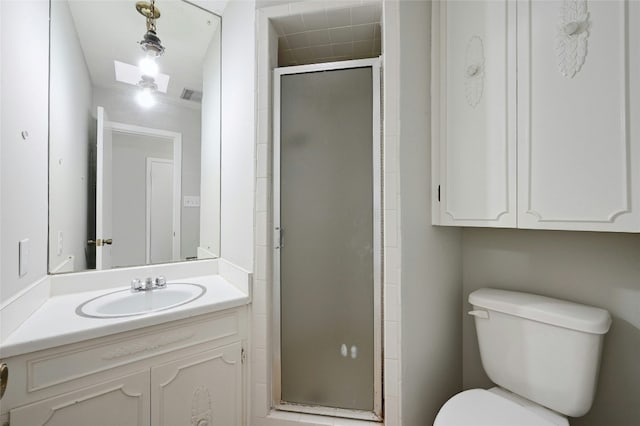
184	373
567	156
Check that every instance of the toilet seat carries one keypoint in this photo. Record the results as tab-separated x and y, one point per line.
481	407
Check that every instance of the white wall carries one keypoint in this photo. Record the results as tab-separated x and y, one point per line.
210	150
599	269
3	36
238	132
70	117
431	256
130	154
23	107
121	107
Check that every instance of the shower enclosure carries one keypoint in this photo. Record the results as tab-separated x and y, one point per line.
328	239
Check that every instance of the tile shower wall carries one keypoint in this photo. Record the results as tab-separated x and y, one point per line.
260	382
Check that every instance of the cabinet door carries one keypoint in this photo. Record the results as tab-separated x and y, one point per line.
474	105
578	115
199	390
122	402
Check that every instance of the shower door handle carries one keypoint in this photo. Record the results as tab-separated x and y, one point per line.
278	237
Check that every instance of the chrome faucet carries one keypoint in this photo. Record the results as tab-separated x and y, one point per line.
149	283
161	281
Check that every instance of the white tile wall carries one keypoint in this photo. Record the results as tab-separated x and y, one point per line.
261	348
314	32
392	277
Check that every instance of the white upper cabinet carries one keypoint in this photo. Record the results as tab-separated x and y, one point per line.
474	109
578	117
574	72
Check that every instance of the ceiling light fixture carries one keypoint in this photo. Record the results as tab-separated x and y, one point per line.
148	67
145	98
153	48
150	42
145	95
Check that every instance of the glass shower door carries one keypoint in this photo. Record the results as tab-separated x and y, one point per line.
327	259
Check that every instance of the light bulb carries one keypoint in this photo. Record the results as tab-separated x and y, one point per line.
148	66
145	98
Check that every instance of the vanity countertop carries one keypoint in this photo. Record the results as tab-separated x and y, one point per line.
56	323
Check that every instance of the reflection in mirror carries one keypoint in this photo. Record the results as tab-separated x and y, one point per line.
134	133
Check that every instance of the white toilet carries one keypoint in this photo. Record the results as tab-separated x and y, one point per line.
544	355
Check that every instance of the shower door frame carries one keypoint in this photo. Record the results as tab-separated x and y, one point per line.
376	67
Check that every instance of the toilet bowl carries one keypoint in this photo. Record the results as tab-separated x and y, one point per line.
495	407
542	353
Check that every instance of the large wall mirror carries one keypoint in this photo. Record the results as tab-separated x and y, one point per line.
134	133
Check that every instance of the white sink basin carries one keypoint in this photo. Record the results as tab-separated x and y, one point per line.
125	303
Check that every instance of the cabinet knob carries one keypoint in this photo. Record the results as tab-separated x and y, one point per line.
473	70
100	242
571	28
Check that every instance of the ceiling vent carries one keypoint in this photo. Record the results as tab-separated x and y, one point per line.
191	95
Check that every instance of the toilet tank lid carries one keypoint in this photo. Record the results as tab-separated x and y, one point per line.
544	309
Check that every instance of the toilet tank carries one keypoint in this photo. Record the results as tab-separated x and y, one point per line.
544	349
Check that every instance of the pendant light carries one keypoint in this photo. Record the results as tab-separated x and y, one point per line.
152	48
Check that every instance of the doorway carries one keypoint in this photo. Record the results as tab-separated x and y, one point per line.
146	214
159	201
328	239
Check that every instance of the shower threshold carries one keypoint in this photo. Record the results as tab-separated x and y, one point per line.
328	411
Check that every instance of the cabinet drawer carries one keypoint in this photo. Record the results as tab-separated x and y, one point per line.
82	359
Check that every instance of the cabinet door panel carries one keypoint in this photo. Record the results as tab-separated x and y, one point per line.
577	139
122	402
474	111
201	390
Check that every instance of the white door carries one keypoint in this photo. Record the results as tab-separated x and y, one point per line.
104	192
578	104
160	233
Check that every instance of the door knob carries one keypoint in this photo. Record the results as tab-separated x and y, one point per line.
108	241
4	378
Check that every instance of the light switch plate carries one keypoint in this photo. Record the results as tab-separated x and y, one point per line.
23	257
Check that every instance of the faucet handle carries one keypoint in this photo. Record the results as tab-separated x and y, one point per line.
148	283
161	281
136	284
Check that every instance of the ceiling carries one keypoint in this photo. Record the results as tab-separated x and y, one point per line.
329	35
110	30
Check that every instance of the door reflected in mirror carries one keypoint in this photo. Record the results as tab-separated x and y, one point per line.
134	134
